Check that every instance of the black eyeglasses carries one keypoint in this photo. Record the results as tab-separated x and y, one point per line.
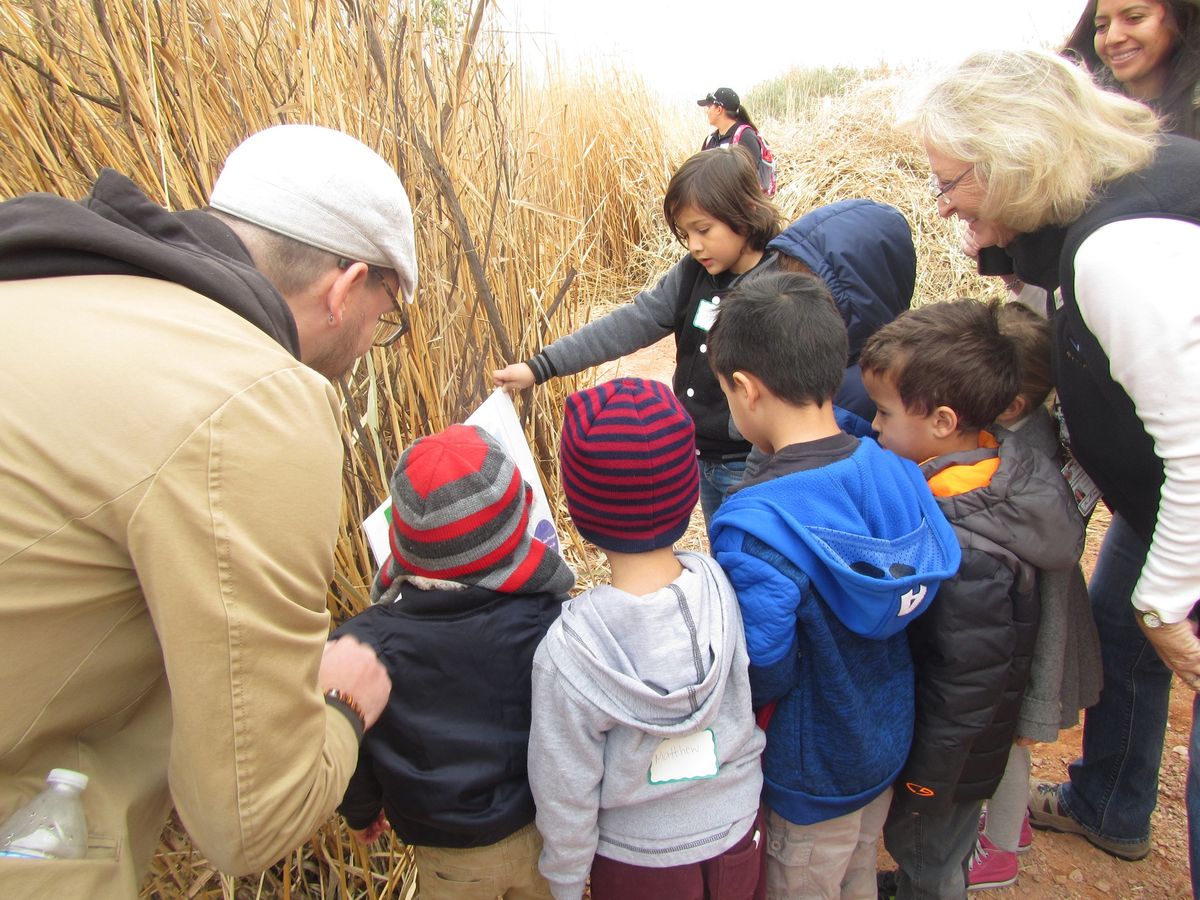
392	325
940	190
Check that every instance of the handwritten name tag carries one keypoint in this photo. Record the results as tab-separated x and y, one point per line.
685	758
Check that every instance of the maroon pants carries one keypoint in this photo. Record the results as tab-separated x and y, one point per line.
731	876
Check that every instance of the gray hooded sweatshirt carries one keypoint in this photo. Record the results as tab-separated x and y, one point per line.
643	746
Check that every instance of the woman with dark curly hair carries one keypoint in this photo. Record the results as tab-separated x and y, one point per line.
1147	49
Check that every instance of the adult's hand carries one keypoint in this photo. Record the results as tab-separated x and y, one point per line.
1179	648
968	242
352	666
513	377
976	235
984	233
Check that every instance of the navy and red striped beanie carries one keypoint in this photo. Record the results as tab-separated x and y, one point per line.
628	457
460	514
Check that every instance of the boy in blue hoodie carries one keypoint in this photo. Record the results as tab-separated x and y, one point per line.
834	547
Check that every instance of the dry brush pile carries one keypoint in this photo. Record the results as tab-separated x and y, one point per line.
532	204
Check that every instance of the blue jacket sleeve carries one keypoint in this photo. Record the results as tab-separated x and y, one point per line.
768	600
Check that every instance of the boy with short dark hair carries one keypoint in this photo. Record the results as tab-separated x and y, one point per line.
1064	673
833	547
939	376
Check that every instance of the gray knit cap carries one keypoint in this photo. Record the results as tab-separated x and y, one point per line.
325	189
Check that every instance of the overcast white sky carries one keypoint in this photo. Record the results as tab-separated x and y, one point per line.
686	49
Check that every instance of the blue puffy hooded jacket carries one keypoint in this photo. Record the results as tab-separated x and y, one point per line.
864	253
830	566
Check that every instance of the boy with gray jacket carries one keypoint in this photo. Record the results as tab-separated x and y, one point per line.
643	752
939	375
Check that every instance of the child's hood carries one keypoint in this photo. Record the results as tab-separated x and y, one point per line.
865	531
1026	507
863	251
657	663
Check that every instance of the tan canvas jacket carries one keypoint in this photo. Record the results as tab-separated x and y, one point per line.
170	484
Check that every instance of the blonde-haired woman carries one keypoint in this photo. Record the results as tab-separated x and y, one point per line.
1086	194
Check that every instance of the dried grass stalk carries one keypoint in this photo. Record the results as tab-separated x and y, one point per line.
533	205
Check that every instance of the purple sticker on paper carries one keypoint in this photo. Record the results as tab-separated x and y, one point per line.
544	532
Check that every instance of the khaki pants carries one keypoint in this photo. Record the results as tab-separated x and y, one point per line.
507	868
826	861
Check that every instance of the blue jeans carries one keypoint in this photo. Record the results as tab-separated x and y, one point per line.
716	480
1113	787
1193	800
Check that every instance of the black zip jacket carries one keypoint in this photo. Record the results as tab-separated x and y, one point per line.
447	759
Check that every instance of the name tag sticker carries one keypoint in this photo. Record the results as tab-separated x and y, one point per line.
706	313
685	758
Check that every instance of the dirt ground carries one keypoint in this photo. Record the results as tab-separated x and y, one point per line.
1058	865
1061	865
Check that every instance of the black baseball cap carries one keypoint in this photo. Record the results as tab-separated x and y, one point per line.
725	97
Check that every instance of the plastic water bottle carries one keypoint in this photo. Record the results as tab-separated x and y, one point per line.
51	825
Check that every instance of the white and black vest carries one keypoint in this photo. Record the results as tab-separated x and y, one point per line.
1107	437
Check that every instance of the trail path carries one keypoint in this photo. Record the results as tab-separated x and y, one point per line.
1059	865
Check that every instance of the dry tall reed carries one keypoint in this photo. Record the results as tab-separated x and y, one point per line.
523	206
531	206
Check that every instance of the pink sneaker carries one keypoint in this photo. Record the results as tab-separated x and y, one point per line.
991	867
1024	838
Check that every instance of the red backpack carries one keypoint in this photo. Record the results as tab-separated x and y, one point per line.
766	161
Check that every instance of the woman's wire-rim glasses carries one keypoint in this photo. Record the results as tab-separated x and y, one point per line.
940	190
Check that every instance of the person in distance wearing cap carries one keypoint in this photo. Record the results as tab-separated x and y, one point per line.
171	468
726	114
643	754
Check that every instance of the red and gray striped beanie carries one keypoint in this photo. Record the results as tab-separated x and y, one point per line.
628	456
460	513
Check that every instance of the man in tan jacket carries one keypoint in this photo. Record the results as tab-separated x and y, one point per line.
170	468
